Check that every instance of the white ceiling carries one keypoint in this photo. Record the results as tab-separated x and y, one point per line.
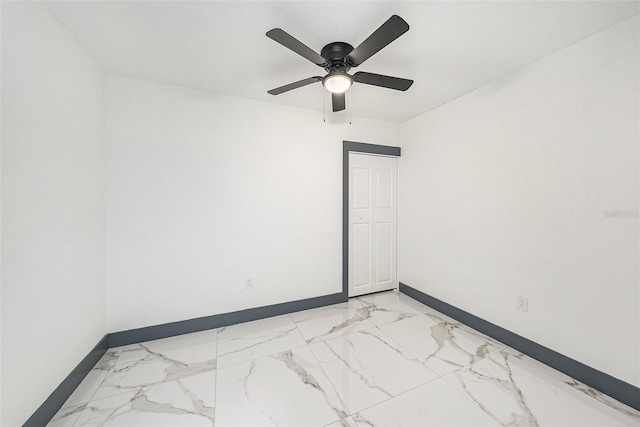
452	47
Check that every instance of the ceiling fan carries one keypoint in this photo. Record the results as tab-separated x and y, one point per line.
338	58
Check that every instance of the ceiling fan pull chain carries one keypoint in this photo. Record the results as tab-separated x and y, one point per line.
324	108
350	106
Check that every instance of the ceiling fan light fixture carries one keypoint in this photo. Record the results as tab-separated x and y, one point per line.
337	82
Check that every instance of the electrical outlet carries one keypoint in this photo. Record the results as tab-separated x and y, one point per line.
523	304
248	284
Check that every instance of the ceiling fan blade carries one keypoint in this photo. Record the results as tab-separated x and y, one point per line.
338	102
288	41
383	81
294	85
388	32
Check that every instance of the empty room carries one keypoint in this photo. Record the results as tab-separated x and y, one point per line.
320	213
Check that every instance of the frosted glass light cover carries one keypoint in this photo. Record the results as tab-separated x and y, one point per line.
337	83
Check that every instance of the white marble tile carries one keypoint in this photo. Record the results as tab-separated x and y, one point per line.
345	422
108	359
433	404
247	341
330	322
386	307
470	331
87	388
425	309
514	392
536	364
67	416
589	392
351	374
153	362
184	349
438	316
188	349
185	402
439	344
300	316
368	367
288	388
195	394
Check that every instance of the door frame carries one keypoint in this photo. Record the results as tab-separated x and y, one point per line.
354	147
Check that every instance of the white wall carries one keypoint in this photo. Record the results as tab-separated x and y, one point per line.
505	192
53	295
205	190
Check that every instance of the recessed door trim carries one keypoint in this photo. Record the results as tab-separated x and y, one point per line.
354	147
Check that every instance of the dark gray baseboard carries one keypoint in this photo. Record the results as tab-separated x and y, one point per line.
54	402
611	386
166	330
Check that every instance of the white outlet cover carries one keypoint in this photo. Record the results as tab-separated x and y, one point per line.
523	304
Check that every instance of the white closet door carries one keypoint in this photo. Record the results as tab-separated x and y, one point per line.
372	223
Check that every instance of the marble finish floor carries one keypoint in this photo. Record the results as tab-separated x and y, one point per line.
378	360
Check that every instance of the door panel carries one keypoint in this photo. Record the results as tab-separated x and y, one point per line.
361	261
383	253
384	195
362	188
372	223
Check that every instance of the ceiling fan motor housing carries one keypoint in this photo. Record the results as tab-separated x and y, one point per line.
335	54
